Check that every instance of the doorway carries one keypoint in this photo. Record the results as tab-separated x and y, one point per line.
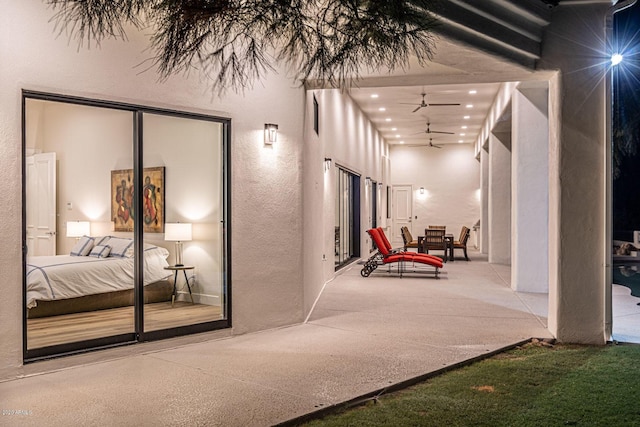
402	206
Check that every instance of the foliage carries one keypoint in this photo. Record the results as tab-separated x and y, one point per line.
237	41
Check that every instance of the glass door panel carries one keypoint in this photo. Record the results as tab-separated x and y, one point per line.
79	275
347	210
183	213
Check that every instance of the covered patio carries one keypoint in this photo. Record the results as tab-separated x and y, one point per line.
364	335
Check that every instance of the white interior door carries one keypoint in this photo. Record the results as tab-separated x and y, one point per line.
41	204
402	210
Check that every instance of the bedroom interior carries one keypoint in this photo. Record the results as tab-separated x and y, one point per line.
82	263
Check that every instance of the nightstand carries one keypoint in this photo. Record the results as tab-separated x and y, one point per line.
176	269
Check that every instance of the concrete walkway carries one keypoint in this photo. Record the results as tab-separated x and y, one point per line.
364	335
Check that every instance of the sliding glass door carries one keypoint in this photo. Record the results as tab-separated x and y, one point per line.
182	190
347	217
124	224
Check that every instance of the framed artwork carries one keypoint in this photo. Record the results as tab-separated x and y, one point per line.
122	190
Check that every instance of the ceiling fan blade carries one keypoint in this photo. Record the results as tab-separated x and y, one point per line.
419	107
422	131
407	103
436	146
447	133
442	105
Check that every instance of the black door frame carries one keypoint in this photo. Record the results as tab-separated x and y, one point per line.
139	335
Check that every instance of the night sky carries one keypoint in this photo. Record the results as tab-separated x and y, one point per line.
626	125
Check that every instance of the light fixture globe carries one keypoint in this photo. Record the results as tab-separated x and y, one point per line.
616	58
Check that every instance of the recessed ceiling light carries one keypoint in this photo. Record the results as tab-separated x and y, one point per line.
382	109
469	105
394	129
397	136
462	134
460	141
401	142
466	117
473	92
374	95
388	119
464	127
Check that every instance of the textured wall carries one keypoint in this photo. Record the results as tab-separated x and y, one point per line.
577	169
451	179
266	181
348	138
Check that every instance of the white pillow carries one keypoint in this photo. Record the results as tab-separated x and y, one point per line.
119	246
83	246
147	247
100	251
102	240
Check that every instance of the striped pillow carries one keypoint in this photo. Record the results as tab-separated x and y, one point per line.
100	251
83	246
119	246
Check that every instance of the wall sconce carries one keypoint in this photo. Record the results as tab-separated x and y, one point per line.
270	133
327	164
367	181
421	190
78	229
178	232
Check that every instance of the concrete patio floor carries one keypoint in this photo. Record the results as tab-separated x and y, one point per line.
363	335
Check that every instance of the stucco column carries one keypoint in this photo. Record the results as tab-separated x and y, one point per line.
575	45
484	201
530	189
499	208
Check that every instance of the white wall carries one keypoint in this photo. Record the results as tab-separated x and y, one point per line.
451	179
350	140
578	149
266	182
89	143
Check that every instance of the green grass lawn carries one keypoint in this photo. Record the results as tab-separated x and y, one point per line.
533	385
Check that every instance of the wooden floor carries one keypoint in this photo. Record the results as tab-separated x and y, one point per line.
46	331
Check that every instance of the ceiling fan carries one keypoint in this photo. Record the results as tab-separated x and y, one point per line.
431	145
429	131
424	104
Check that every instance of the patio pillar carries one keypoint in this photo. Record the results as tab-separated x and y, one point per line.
578	146
530	188
499	208
484	200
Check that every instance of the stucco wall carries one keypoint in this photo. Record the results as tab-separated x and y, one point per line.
576	45
350	140
451	179
266	222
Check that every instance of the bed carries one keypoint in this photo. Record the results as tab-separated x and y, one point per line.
97	274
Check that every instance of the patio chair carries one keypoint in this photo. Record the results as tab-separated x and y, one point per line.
461	243
407	238
403	260
434	240
437	227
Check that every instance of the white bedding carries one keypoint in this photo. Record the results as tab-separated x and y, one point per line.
64	276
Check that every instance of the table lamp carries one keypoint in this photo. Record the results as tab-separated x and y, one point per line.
78	229
177	232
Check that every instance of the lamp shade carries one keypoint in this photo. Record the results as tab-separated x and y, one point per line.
78	228
177	231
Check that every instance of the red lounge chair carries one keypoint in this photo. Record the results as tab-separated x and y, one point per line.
387	256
